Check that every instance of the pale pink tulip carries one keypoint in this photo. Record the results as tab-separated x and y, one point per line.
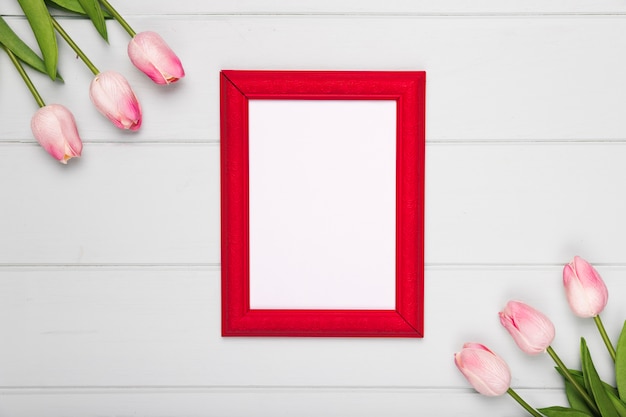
487	372
114	98
149	52
55	129
586	293
532	330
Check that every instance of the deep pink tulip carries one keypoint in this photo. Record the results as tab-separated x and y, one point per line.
487	372
55	129
114	98
532	330
586	293
149	52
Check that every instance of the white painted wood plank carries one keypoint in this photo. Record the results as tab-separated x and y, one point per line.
525	81
159	203
280	402
160	327
165	7
514	78
537	203
119	203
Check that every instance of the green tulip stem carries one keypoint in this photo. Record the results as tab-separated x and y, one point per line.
583	393
523	403
25	77
75	47
118	17
605	337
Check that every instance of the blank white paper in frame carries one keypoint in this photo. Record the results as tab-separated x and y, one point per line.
322	198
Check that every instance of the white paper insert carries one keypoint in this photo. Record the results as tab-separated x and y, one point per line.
322	204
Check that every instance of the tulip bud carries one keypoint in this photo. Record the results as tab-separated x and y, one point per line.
113	97
149	52
55	129
487	372
532	331
586	293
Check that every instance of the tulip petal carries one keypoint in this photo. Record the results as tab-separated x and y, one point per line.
531	330
115	99
151	54
585	290
485	371
55	129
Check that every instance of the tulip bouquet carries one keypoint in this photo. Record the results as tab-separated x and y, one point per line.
53	125
533	332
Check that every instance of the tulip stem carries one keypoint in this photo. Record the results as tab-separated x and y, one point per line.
523	403
25	77
565	372
605	337
75	47
118	17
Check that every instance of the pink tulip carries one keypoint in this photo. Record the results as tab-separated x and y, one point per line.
149	52
487	372
586	293
55	129
532	331
114	98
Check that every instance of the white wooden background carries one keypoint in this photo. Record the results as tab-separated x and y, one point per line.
109	266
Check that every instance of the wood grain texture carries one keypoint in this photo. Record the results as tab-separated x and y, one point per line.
118	203
159	204
160	327
236	402
109	267
513	78
403	7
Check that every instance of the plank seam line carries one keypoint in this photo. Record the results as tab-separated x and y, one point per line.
89	389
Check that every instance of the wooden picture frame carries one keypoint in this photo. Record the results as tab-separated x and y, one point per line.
269	157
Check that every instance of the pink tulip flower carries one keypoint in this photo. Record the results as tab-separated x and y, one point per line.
55	129
149	52
114	98
487	372
586	293
531	330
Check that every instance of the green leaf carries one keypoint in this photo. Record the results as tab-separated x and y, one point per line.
39	19
92	7
563	412
21	50
72	6
620	363
578	376
574	398
592	379
69	5
617	403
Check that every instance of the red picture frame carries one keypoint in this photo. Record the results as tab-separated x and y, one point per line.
407	89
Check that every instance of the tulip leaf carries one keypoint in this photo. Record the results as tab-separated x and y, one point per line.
21	50
574	398
578	376
620	363
563	412
40	21
592	379
93	10
69	5
619	405
72	6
